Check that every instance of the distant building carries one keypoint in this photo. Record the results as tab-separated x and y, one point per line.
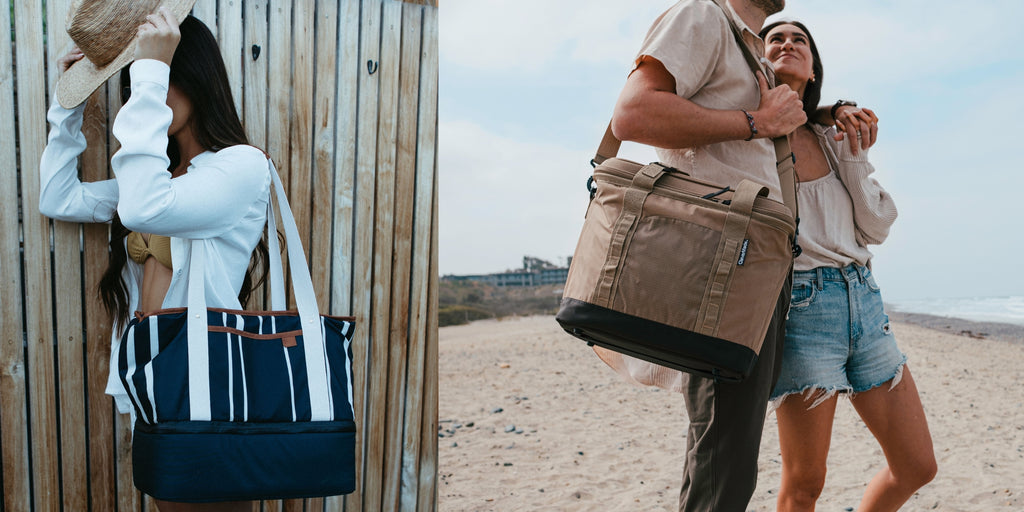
535	272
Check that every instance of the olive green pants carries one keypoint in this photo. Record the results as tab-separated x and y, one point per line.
726	419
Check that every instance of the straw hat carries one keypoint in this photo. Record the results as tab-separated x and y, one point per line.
106	31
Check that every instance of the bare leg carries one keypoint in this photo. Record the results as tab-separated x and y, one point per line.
804	438
896	418
227	506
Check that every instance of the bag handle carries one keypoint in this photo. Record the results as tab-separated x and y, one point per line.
305	300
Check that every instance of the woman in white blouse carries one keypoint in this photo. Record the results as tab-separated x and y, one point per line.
184	174
838	338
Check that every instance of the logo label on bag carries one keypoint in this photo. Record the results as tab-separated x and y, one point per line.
743	252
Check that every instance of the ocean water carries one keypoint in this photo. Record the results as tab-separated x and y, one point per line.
1007	310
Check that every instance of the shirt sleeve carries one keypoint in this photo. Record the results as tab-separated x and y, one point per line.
688	40
208	200
62	195
873	208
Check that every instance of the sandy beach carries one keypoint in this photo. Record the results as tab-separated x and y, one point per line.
531	419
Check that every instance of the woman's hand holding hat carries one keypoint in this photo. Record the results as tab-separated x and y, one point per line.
158	37
70	58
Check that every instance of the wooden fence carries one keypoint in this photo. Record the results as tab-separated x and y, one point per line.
343	95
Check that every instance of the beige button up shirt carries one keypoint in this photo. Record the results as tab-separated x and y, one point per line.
694	42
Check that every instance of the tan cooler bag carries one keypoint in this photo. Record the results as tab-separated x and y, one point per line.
677	271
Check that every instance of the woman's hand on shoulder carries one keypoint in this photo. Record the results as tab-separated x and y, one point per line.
158	37
861	123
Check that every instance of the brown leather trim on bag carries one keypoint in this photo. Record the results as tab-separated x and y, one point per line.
246	312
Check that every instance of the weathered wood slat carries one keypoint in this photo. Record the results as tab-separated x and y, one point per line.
326	29
14	453
31	84
390	364
206	11
301	133
67	302
343	237
229	37
254	97
428	456
362	285
100	414
405	470
425	260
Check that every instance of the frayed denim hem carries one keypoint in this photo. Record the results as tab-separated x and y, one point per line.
816	393
821	396
896	378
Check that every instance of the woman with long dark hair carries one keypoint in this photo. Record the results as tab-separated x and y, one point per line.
184	174
838	338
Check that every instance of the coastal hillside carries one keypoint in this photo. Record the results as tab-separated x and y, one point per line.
462	302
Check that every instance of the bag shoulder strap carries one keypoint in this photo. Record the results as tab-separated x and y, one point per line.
305	301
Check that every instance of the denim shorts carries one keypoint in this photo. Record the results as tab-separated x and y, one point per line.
837	335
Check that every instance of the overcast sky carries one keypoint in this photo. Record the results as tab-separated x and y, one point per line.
527	88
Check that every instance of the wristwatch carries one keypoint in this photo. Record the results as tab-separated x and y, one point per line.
841	103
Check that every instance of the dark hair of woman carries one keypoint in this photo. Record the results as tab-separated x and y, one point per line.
197	70
812	92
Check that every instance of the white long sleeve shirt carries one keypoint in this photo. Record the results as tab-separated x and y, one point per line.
220	202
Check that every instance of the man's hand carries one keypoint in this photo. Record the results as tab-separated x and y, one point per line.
862	123
158	37
780	111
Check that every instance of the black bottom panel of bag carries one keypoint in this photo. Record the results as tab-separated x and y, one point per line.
197	462
656	342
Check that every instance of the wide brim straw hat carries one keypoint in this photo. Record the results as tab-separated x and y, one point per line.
106	32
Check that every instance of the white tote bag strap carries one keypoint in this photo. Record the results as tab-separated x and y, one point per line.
305	299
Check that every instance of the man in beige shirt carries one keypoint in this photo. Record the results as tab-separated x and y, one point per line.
693	96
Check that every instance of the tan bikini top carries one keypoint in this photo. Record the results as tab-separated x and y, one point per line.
158	247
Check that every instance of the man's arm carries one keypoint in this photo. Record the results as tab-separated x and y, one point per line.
650	112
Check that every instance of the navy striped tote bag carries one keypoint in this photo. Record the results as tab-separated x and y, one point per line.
242	405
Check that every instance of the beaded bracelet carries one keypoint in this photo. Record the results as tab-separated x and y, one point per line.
750	121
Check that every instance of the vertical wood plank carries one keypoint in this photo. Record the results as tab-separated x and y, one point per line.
129	499
31	83
362	286
13	403
278	52
206	11
279	84
347	80
424	321
229	37
94	160
67	302
342	268
428	457
387	134
406	463
324	123
254	97
301	134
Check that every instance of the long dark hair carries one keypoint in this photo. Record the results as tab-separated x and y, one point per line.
812	92
198	71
